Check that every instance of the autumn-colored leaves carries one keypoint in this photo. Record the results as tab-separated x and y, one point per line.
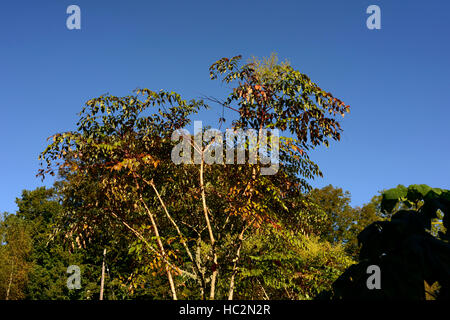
122	150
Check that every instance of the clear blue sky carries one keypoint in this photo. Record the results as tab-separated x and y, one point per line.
395	79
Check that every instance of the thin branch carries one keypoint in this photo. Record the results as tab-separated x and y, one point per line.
222	103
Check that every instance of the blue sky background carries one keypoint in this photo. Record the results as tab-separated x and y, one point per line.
396	79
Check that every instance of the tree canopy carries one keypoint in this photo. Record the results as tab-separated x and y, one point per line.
193	219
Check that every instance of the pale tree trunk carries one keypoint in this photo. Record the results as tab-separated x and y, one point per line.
266	297
159	254
159	242
102	281
196	268
236	260
161	248
8	290
198	260
231	290
210	231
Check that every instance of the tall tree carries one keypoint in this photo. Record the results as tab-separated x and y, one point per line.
190	221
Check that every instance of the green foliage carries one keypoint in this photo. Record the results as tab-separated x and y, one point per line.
48	257
15	245
336	205
343	222
410	257
41	255
284	265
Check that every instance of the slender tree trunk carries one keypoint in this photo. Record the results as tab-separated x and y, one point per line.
231	289
102	282
161	248
160	244
211	235
266	297
236	260
141	237
8	290
198	260
180	234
